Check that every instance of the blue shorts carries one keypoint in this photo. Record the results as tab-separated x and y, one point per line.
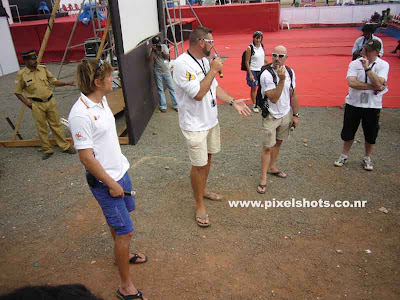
116	210
252	83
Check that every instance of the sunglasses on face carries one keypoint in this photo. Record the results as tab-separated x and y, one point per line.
211	42
275	55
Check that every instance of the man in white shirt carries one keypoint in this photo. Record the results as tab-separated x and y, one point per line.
279	88
366	78
197	91
368	34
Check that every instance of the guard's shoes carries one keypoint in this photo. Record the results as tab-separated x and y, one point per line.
70	150
47	155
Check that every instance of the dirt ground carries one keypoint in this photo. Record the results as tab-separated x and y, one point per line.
53	232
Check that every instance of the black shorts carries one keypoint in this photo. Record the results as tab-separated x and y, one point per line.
369	118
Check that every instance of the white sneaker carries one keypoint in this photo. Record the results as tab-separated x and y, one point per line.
256	109
341	161
367	162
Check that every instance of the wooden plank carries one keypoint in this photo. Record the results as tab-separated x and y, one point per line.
115	101
36	142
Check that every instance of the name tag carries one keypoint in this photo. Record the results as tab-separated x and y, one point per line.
364	98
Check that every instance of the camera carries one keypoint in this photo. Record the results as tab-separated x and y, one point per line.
158	47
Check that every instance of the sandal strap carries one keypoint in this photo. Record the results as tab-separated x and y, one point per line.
139	295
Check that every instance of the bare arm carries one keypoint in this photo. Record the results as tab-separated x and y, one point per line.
359	85
247	63
93	166
63	83
377	82
294	103
274	94
239	105
24	100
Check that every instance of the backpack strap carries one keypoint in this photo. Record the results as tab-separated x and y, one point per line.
290	75
251	50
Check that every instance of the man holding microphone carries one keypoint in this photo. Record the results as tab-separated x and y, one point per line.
197	91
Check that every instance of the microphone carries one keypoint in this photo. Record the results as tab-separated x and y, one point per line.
221	75
130	193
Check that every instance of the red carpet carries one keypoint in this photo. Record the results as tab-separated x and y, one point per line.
319	56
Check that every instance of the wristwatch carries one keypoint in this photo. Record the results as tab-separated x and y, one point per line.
231	103
296	115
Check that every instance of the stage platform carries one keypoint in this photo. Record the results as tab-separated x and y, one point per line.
29	35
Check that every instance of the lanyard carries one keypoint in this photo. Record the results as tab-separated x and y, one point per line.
366	76
202	68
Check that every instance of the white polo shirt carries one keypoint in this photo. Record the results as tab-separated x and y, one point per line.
282	107
92	126
366	98
194	115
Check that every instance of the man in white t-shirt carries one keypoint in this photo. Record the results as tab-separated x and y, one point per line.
366	78
197	91
279	87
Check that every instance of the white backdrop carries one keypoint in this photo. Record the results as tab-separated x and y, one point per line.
334	14
8	57
139	20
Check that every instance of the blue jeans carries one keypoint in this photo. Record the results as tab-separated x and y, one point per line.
160	87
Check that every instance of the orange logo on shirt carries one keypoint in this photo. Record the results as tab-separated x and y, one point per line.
95	118
79	136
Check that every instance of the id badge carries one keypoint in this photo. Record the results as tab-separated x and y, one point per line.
364	98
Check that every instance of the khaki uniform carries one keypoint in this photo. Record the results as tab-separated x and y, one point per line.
36	84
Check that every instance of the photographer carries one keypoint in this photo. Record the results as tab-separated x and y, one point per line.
159	54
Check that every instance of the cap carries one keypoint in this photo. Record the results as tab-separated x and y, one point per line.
257	33
156	40
368	28
373	45
31	54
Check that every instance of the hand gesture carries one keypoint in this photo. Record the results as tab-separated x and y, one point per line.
216	64
116	190
241	107
364	62
281	73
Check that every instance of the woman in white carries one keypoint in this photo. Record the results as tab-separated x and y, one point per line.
255	59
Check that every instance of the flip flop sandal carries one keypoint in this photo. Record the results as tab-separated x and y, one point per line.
279	174
261	188
139	295
133	260
213	196
202	217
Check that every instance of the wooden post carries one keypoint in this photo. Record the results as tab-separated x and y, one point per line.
103	39
48	31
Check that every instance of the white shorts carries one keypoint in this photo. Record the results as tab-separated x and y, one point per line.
202	143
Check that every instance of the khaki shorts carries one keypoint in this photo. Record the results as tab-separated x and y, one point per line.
275	129
201	143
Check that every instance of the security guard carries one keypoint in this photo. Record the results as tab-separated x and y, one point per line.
34	81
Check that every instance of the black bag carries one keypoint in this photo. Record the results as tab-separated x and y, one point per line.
262	102
243	67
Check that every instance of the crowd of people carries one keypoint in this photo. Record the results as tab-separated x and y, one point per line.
194	91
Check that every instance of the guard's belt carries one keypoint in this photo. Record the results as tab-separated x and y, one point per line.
42	100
